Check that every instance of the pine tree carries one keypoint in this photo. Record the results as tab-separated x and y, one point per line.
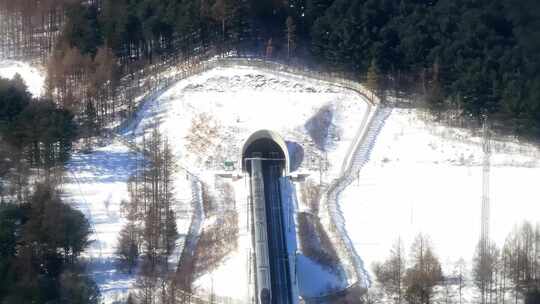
315	9
171	232
146	284
222	11
240	28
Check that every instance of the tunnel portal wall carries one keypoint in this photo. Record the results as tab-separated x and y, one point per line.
268	141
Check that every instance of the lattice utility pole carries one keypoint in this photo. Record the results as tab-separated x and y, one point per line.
486	145
485	268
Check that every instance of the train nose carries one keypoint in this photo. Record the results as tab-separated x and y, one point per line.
265	296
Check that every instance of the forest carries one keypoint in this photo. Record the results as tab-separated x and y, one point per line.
41	240
41	236
476	58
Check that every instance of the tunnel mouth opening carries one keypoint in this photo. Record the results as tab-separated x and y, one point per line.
267	146
265	149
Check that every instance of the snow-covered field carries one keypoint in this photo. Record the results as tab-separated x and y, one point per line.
427	178
33	77
96	184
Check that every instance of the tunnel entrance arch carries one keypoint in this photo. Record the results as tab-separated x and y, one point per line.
265	144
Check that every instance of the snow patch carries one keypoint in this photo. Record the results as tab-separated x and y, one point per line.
32	76
423	177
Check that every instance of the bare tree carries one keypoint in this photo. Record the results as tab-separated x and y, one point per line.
391	272
146	286
372	81
484	270
129	242
160	224
151	229
425	272
290	36
460	272
522	249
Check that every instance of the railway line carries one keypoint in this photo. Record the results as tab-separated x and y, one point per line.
273	281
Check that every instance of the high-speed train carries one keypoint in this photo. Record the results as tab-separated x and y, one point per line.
264	287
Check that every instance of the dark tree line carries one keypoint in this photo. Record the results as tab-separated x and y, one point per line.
29	28
35	137
481	57
41	239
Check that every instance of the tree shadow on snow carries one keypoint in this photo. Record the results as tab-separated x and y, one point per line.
103	166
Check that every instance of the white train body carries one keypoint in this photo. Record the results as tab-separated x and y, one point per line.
264	288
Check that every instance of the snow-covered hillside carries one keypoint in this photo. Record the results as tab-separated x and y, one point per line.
208	117
427	178
33	77
232	103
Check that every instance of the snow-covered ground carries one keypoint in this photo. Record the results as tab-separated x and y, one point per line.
426	178
239	101
96	184
220	280
33	77
226	105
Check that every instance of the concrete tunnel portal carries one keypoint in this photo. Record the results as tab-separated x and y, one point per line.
267	144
